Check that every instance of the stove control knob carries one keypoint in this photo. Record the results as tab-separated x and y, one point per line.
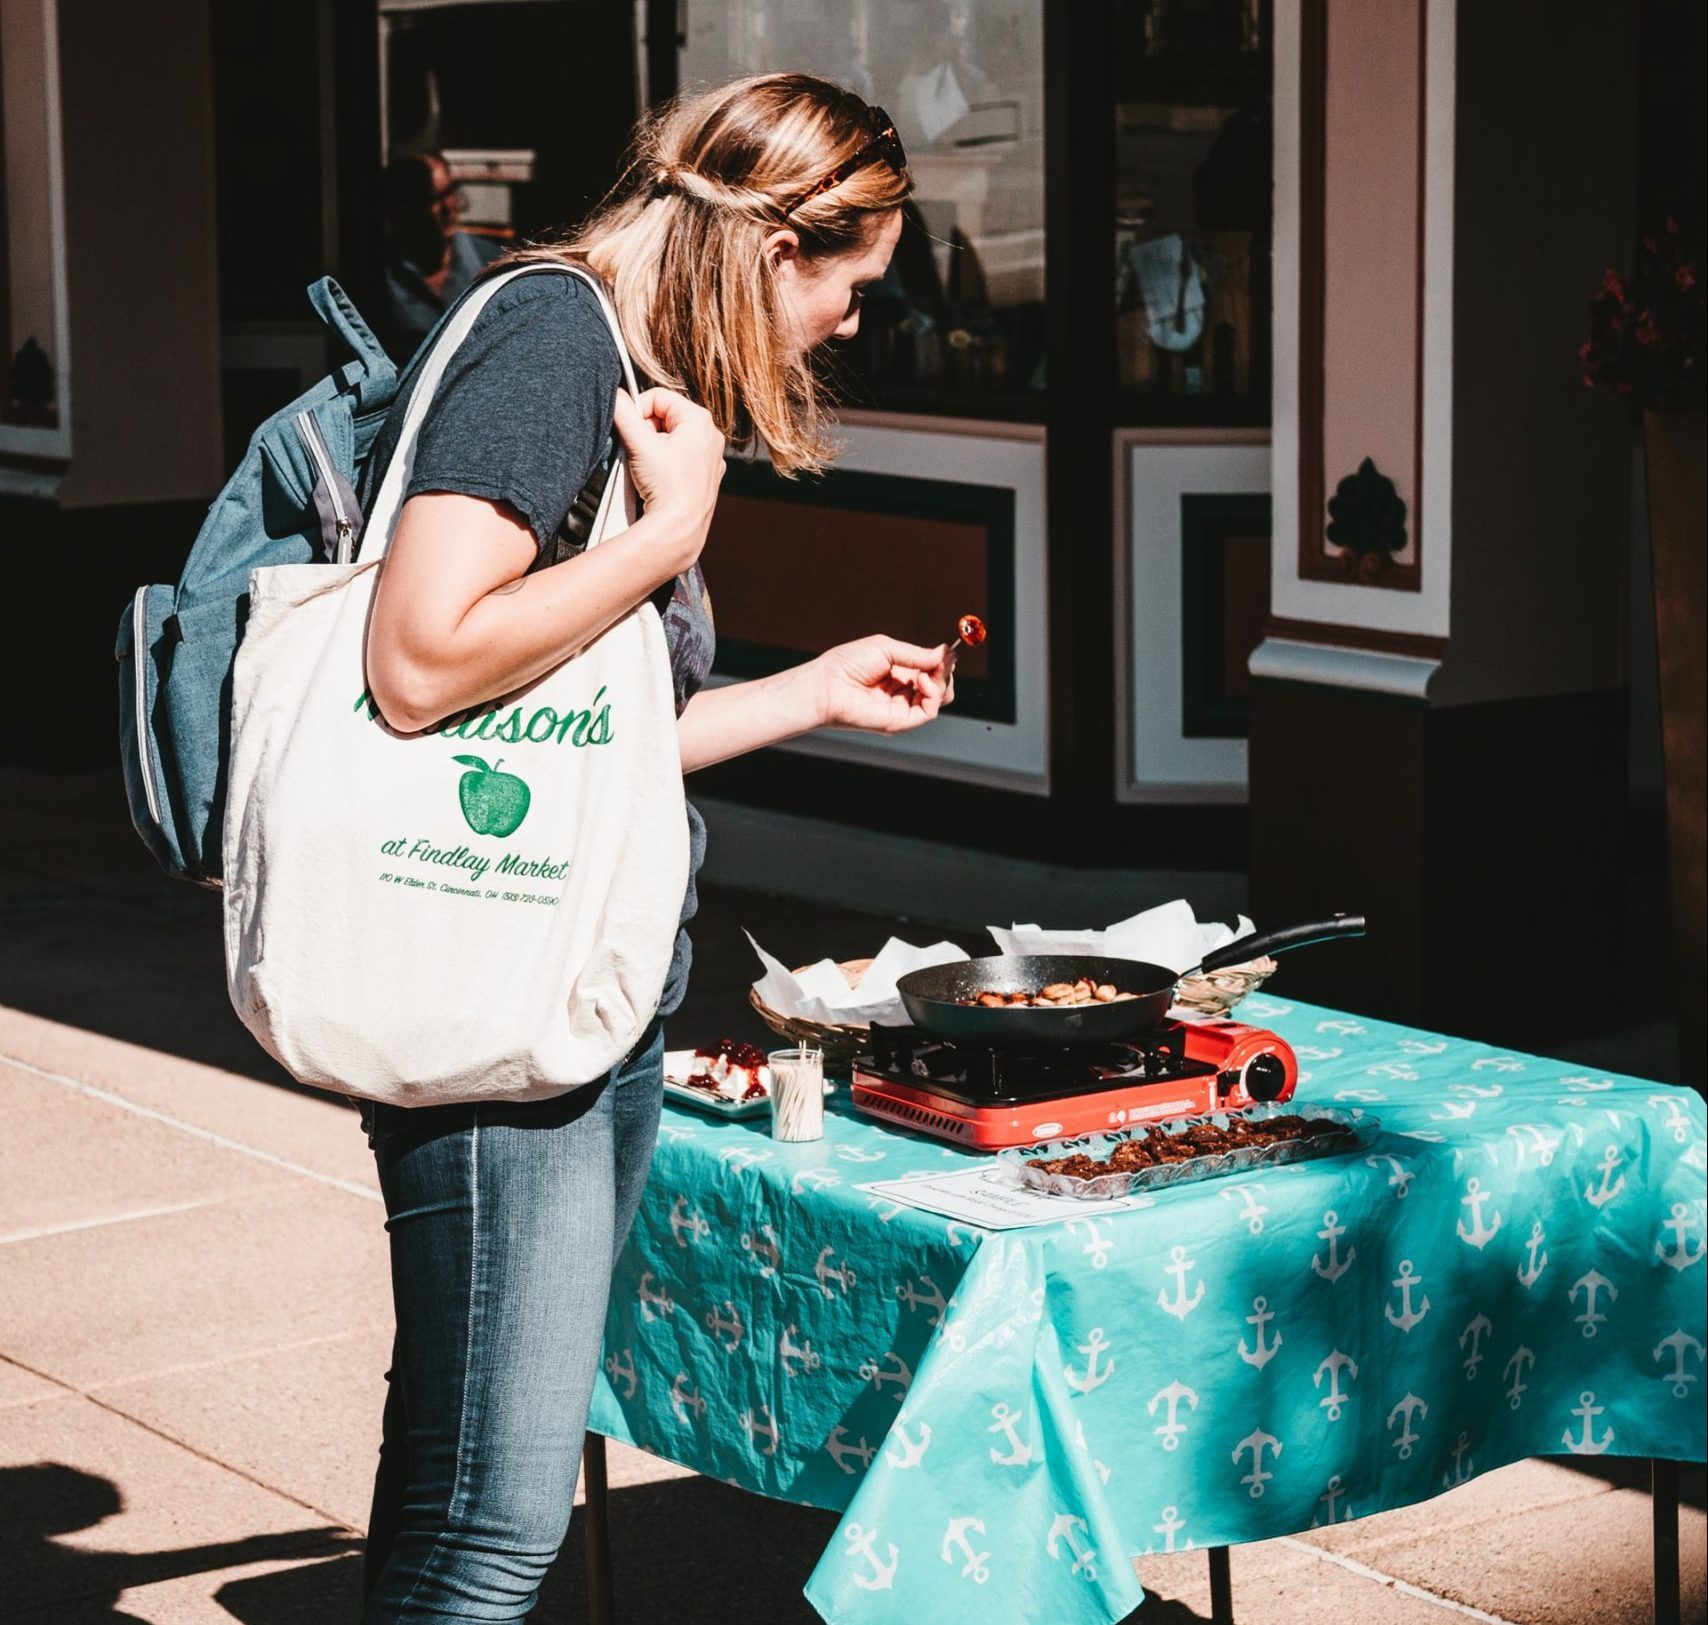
1265	1077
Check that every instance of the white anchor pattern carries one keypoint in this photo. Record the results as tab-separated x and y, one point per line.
1512	1266
1260	1355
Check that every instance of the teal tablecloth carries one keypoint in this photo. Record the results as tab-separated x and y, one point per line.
1007	1419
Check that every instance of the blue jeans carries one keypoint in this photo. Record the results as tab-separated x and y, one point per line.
505	1221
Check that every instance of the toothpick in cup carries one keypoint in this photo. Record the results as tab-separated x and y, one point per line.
797	1093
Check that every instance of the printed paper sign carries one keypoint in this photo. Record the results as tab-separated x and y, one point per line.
980	1196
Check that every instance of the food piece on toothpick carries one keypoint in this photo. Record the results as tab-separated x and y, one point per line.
969	633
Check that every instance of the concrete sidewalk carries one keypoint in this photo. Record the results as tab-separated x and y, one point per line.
194	1322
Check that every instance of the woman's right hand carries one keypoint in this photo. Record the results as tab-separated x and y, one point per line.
676	460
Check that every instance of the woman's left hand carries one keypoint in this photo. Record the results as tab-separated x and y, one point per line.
881	685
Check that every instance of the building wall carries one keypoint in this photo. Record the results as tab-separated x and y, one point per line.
1541	467
137	98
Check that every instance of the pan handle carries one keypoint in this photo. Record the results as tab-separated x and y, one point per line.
1246	949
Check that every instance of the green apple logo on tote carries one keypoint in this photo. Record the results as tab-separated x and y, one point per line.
493	803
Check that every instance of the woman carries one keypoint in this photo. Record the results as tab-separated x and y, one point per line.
743	234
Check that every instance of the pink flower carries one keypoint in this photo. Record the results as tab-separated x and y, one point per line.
1684	278
1584	350
1610	281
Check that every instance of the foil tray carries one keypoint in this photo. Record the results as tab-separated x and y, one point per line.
1361	1130
677	1065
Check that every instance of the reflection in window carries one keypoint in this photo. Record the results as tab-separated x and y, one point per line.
1192	209
493	132
503	89
962	310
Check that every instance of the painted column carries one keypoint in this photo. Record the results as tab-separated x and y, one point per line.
1437	703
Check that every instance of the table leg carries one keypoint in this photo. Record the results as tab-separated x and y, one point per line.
1221	1587
598	1509
1664	1495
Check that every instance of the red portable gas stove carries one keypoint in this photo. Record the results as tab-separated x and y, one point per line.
987	1099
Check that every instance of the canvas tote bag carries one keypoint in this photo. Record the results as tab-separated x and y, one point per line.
485	911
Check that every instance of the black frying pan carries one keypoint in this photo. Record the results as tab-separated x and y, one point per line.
933	996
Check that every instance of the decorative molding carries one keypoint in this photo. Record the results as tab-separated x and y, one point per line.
1356	637
1429	609
1155	761
1312	126
19	439
1207	523
37	483
1367	521
1155	435
860	417
1281	660
1316	562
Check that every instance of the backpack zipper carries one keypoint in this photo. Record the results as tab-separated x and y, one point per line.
315	445
145	756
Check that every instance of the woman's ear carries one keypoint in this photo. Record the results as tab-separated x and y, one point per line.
781	247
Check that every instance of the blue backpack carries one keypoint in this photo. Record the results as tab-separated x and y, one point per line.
291	501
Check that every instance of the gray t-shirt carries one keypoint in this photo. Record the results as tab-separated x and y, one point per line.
522	416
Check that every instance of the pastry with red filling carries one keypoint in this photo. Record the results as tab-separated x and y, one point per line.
731	1070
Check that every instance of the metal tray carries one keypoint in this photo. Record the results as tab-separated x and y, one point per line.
1360	1126
676	1065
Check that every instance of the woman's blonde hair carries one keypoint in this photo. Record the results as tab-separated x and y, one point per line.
679	241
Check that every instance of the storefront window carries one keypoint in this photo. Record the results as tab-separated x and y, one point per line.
959	322
1192	209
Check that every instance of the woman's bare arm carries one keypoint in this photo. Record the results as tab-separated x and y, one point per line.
456	621
731	720
876	684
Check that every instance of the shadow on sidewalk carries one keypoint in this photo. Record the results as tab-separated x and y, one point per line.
49	1579
691	1551
1635	1473
328	1593
94	935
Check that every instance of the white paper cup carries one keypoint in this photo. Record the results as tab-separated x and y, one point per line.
797	1093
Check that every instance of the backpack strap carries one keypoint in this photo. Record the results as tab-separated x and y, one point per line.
388	501
372	376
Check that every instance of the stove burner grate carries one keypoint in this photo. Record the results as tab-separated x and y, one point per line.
978	1074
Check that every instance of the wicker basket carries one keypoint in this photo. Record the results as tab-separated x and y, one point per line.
1220	991
839	1043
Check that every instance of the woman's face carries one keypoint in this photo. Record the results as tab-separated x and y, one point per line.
822	296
